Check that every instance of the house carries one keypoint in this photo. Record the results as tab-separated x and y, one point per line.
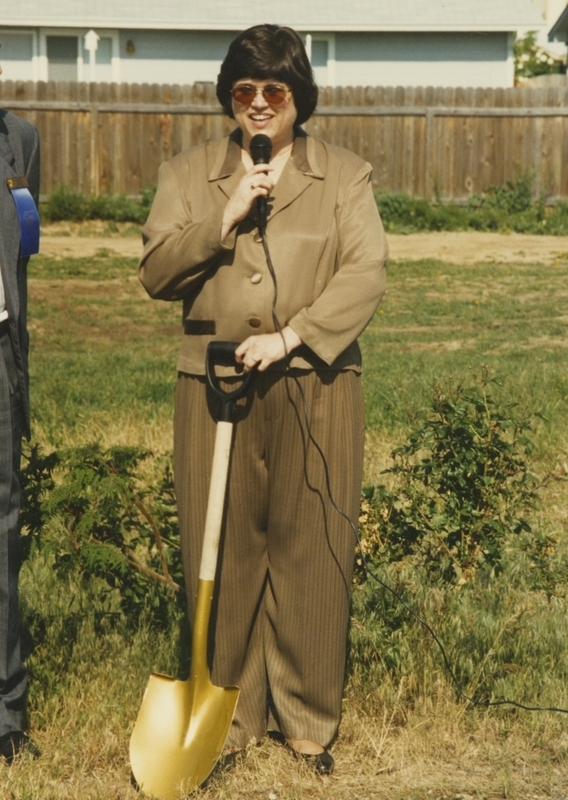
559	31
362	42
551	11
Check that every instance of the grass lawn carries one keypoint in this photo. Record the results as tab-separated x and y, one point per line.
103	368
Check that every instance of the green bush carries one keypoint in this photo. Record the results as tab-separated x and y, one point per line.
402	212
510	207
463	488
66	204
483	219
555	222
453	540
88	511
446	218
511	197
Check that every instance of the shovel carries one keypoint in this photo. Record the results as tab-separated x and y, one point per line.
182	725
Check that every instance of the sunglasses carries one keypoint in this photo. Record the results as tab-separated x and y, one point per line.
273	93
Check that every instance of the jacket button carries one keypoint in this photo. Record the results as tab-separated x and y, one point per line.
254	322
256	277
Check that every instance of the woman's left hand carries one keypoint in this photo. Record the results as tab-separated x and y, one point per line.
267	348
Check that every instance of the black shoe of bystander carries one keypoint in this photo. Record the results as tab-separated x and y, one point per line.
16	743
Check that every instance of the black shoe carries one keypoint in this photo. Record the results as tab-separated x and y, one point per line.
321	763
14	744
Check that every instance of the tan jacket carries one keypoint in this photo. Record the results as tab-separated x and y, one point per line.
325	237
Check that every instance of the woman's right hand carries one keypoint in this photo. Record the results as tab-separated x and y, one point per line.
255	183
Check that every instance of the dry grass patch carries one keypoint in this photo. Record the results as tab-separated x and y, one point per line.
439	752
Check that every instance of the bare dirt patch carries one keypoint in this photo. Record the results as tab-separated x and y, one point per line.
472	247
63	240
83	240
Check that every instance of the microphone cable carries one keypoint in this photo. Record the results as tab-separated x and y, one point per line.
368	571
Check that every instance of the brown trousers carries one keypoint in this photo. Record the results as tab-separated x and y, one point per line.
281	611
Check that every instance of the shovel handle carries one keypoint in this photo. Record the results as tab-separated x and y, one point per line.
219	354
216	501
223	354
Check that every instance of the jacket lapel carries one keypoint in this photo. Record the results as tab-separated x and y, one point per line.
297	176
227	184
226	170
291	185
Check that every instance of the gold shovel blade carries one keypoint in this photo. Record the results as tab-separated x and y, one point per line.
179	734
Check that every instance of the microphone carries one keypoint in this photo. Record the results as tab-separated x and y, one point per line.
261	150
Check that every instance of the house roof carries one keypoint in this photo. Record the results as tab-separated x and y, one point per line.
559	31
305	15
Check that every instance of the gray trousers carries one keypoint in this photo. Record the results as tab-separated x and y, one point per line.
13	677
282	595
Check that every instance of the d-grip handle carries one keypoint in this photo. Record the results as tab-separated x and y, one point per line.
222	354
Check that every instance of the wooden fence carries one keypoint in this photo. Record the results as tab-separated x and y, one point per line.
426	141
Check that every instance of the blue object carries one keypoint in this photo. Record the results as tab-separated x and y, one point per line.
28	216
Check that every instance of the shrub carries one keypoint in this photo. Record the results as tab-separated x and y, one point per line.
556	222
66	204
447	218
399	211
511	197
120	208
509	207
88	511
463	487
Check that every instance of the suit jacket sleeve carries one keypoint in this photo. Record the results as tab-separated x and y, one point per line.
346	305
180	243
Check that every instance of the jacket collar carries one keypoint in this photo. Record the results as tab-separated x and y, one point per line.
302	168
227	159
304	155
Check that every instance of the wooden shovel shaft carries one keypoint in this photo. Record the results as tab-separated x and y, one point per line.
213	524
216	502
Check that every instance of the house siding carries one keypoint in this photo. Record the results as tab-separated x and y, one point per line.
328	15
371	59
180	57
426	59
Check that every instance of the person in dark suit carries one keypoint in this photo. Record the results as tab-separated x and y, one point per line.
19	231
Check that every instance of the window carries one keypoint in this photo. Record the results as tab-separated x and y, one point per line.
17	55
16	47
62	56
78	55
103	59
321	52
319	61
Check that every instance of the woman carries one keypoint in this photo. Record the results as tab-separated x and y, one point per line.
281	611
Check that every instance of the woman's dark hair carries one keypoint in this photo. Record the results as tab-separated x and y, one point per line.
269	51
